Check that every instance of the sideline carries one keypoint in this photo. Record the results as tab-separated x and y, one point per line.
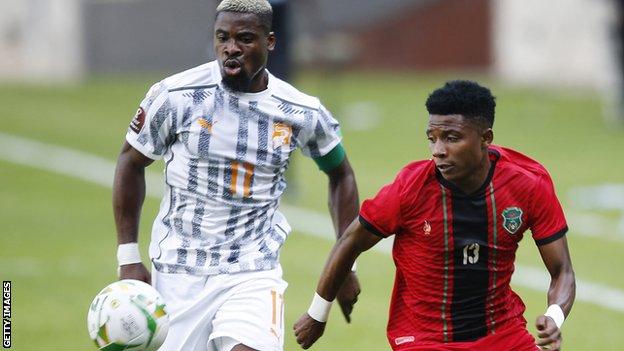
98	170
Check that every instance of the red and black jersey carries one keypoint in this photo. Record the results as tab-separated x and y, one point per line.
454	252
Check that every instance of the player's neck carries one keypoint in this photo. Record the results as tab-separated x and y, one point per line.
477	177
259	83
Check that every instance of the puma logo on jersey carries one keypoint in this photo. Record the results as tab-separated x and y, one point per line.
281	134
137	122
206	125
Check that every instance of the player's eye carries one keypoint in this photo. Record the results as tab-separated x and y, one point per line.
247	39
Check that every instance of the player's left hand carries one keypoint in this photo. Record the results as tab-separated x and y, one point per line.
308	330
549	336
348	295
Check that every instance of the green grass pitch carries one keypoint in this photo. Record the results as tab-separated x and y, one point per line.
57	234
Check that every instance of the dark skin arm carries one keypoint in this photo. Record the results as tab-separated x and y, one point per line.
562	291
128	196
353	242
343	207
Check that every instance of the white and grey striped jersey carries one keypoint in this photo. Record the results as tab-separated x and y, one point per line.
225	156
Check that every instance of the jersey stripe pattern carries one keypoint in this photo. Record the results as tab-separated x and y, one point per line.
455	252
225	156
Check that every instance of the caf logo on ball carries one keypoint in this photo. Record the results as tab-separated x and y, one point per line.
128	315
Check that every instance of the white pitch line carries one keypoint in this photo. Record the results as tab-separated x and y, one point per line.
98	170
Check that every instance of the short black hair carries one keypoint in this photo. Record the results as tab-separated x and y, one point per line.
466	98
260	8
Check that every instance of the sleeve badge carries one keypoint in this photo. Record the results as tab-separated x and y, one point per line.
137	122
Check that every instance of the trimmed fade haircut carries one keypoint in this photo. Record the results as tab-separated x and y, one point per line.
466	98
260	8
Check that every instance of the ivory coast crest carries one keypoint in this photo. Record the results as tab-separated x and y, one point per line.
281	134
512	219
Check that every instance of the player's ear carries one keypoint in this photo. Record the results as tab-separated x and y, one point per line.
271	41
487	137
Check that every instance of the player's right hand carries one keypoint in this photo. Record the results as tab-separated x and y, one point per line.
135	271
549	335
308	330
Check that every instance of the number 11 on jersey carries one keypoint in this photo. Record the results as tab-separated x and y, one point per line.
242	174
277	318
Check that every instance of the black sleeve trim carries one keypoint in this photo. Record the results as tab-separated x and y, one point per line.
554	237
371	228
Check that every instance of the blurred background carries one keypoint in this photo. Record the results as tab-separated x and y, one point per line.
72	73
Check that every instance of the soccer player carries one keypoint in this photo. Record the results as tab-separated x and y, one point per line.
457	219
226	131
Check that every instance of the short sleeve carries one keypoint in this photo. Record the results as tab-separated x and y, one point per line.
323	136
381	215
153	124
547	221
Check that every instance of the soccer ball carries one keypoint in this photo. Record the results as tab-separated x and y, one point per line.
128	315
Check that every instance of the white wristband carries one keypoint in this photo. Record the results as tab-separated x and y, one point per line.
128	254
354	267
319	309
556	313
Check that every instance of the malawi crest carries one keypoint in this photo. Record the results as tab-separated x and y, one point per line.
512	219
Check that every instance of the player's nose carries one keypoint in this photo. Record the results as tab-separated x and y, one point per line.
231	48
438	150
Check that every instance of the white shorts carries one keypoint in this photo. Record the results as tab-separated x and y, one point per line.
218	312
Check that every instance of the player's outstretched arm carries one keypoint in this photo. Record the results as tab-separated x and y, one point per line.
355	240
128	196
343	207
561	293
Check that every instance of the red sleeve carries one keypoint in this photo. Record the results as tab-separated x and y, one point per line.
381	215
547	221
